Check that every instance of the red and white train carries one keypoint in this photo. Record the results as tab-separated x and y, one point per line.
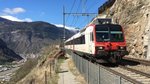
104	41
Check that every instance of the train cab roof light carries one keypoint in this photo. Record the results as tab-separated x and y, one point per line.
102	21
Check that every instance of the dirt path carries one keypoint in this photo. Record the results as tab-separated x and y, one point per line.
65	76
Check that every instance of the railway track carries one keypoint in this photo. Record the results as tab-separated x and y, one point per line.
133	74
144	62
137	71
142	66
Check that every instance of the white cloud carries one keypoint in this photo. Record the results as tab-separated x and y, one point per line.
7	12
60	25
67	27
14	10
12	18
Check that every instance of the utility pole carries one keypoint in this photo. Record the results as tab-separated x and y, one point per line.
64	36
83	6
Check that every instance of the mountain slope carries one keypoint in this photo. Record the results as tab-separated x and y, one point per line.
30	37
6	54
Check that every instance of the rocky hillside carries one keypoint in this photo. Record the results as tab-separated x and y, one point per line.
134	16
25	37
6	54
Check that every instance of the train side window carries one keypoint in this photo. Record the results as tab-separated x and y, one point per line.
82	39
79	41
91	37
75	41
72	42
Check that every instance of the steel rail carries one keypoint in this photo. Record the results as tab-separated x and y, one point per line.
144	62
136	71
121	75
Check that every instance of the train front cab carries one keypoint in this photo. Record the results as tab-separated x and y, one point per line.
109	42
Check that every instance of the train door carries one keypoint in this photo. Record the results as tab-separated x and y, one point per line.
87	41
90	42
88	38
92	46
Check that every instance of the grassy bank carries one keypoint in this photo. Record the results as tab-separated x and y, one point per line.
41	70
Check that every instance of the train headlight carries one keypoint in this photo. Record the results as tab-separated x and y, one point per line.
100	48
122	48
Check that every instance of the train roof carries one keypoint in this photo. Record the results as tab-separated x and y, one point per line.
75	36
96	21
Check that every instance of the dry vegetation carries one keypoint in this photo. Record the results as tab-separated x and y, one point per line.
44	69
24	70
39	70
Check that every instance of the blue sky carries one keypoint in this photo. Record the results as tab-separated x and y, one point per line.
49	10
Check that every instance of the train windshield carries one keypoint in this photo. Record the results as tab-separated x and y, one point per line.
111	33
116	34
102	34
